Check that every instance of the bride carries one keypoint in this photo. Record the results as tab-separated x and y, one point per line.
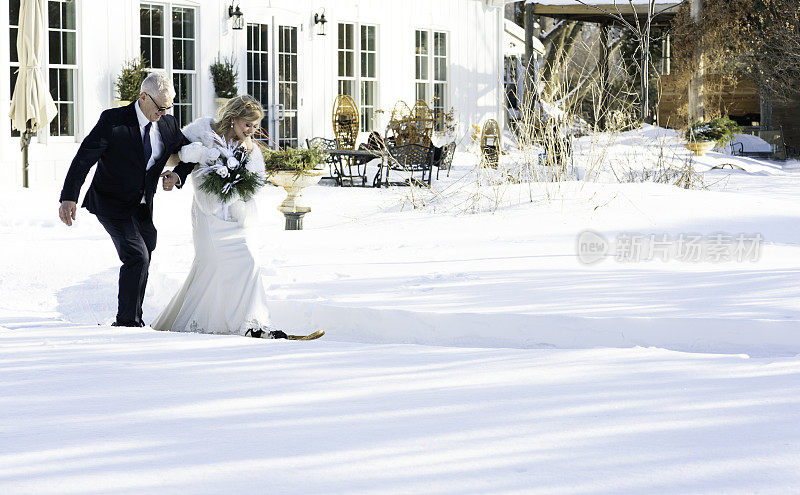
224	292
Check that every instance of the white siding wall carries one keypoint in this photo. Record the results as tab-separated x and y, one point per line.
108	34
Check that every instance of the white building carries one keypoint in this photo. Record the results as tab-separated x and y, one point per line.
448	52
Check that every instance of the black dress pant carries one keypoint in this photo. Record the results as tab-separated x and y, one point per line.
135	240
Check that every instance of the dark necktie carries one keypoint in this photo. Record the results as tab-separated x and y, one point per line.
148	146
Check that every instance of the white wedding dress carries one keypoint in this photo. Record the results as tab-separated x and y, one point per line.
224	292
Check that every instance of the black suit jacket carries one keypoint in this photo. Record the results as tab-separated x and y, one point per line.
121	178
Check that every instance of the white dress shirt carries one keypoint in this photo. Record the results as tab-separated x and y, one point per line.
155	137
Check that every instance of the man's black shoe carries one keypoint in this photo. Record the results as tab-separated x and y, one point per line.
123	323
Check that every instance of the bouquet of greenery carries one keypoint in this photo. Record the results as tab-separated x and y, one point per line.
224	172
719	130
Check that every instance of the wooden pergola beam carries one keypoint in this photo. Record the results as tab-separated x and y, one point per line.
604	13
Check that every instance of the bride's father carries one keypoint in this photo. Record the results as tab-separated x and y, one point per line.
130	146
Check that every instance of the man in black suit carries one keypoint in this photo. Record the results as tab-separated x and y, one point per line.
130	146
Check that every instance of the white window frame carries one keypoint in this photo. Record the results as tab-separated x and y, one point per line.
44	135
14	66
357	79
290	114
265	98
168	47
340	78
427	65
166	13
431	81
72	67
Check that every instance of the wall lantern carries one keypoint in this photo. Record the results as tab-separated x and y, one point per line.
320	21
238	16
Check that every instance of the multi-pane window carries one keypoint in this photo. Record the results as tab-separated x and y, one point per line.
13	21
258	69
347	60
422	59
152	34
170	46
358	69
431	69
62	64
439	73
61	60
183	63
287	86
369	76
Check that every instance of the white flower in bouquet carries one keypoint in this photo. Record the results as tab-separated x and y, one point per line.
222	171
233	163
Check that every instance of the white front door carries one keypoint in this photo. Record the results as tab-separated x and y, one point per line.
272	78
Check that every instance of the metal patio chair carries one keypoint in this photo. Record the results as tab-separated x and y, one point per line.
332	161
445	158
411	158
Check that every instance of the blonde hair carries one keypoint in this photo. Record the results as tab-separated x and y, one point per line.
239	107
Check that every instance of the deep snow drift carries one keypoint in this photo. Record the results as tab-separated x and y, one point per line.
525	397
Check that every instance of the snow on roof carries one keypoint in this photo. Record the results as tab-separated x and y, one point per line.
514	40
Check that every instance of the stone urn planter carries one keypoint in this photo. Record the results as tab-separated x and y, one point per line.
700	147
293	207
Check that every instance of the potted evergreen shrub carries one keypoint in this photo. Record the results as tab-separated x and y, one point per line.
129	81
224	75
705	136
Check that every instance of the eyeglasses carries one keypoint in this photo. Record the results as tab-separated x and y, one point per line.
159	107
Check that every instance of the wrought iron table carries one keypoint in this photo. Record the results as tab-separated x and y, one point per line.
363	155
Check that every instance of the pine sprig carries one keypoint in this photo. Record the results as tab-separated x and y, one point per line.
243	183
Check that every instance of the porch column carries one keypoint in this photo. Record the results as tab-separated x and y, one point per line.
530	75
696	110
602	69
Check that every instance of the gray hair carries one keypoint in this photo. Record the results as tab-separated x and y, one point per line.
158	84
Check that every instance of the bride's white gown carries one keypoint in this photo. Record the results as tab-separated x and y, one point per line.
224	291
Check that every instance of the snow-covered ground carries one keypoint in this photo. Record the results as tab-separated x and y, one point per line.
466	352
95	410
